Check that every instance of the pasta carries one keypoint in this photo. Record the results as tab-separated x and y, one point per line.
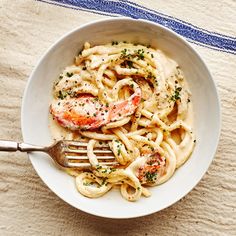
134	98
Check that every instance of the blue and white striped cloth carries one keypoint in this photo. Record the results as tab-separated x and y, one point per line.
191	32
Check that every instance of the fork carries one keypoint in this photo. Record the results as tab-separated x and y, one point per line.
68	154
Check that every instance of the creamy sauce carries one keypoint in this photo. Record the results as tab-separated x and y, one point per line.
157	120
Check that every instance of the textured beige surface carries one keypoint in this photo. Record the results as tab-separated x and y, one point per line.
28	207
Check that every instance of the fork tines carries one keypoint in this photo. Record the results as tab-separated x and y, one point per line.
76	154
87	165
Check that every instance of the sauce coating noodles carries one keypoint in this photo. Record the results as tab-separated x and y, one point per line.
135	99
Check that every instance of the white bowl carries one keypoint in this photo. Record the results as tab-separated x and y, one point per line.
206	106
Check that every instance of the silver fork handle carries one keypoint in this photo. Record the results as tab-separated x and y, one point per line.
10	146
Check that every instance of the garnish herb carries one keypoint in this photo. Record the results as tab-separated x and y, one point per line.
126	63
69	74
130	64
119	151
176	95
150	176
112	169
140	54
150	75
61	95
104	181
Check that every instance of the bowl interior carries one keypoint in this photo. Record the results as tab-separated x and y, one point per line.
37	98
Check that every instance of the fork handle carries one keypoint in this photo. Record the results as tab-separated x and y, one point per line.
11	146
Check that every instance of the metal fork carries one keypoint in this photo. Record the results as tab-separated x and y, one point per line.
68	154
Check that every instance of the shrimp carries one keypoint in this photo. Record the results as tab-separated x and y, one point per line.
86	112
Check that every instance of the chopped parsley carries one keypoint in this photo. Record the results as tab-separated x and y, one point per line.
98	167
124	53
69	74
150	75
130	64
114	43
112	169
108	170
118	151
150	176
140	54
151	147
126	63
104	181
61	95
176	94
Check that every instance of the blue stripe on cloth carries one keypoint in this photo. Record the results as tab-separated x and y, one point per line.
129	9
74	8
176	19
